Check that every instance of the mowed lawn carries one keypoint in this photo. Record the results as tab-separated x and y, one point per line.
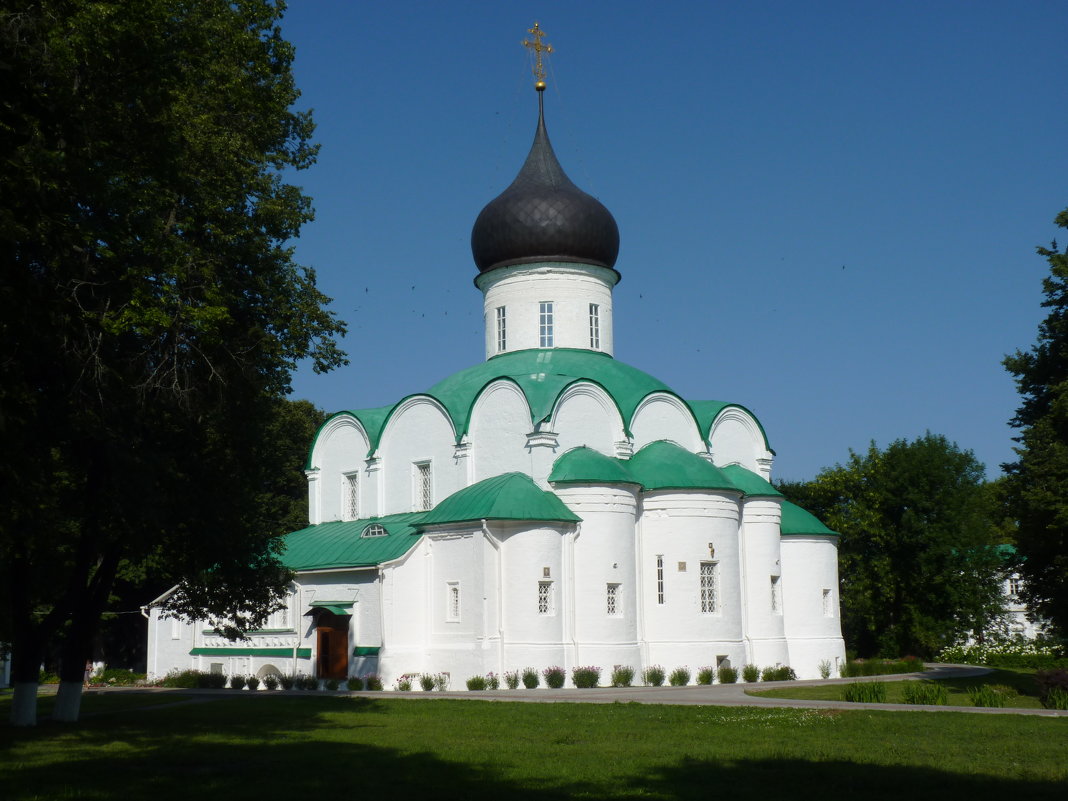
232	746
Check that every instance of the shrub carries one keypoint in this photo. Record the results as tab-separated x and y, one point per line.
310	683
270	681
1027	654
331	684
184	679
441	682
404	683
705	675
987	695
372	682
287	680
679	677
530	678
865	692
554	677
726	674
881	667
925	692
426	681
653	676
586	677
780	673
493	681
622	676
476	683
750	673
212	681
824	667
117	677
237	682
355	684
253	683
48	678
511	679
1052	684
1057	698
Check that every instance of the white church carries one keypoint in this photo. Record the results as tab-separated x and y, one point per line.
548	506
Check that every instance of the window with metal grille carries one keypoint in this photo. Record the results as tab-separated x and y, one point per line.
613	607
374	530
351	490
452	612
660	578
424	488
776	599
502	330
595	326
1014	586
708	588
545	324
545	597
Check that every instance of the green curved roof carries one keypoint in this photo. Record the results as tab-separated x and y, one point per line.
510	496
541	374
749	482
587	465
665	465
796	520
339	544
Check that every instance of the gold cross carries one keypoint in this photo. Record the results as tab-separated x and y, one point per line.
538	48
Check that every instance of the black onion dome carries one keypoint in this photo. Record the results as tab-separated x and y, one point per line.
542	216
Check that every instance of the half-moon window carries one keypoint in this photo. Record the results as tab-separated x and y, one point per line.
374	530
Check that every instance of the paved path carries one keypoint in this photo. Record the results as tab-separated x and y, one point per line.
693	695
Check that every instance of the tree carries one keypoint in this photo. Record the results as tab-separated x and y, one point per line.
917	559
1037	482
151	313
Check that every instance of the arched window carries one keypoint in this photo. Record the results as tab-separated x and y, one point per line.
374	530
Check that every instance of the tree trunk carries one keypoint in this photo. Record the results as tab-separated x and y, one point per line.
24	704
68	702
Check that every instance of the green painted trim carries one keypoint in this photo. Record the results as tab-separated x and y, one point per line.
373	422
366	650
345	604
705	413
302	653
290	630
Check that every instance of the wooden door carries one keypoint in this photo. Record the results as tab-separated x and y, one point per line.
333	647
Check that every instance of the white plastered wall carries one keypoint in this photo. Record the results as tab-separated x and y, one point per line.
760	562
663	416
584	415
680	526
735	438
340	448
419	430
521	289
500	423
814	633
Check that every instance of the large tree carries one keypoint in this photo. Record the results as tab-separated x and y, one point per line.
151	312
1038	479
917	556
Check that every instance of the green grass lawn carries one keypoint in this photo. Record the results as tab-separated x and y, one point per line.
1022	680
275	747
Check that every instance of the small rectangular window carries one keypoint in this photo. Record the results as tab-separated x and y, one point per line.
545	324
595	326
660	579
452	601
708	588
502	330
776	598
613	607
1014	586
176	629
423	489
828	608
351	493
545	597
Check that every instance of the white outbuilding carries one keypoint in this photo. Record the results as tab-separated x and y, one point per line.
550	506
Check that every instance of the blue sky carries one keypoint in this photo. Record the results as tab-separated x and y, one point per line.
828	210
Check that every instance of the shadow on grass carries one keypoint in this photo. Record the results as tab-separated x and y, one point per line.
299	747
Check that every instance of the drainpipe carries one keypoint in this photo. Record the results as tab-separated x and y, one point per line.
500	596
570	584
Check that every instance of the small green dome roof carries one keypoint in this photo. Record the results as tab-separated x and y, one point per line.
749	482
510	496
665	465
796	521
587	466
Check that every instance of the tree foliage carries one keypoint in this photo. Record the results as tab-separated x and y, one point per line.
917	559
1038	479
151	312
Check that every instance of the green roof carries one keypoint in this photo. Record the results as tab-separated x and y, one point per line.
749	482
339	544
796	521
665	465
511	496
585	465
541	374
